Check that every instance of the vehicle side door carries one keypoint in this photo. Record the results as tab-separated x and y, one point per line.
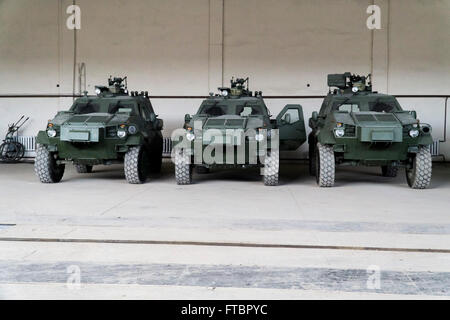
291	126
146	117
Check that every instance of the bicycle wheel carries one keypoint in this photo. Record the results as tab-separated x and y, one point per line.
10	151
20	151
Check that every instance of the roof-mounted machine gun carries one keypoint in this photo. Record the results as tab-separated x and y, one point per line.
116	86
239	87
348	83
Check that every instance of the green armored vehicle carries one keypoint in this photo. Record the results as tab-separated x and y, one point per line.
114	126
235	129
357	126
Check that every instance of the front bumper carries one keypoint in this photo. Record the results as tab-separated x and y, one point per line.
99	152
226	154
374	152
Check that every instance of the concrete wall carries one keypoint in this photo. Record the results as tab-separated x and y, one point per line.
180	47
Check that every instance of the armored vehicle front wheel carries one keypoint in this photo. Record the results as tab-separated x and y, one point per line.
419	176
271	168
82	168
45	166
183	167
136	165
389	171
325	165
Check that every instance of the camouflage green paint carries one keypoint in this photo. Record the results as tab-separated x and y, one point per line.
376	127
229	106
87	132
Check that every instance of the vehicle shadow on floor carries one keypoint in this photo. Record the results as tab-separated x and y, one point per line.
291	172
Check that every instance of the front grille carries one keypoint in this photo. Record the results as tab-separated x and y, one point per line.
111	132
406	132
365	117
235	122
96	119
215	122
350	131
386	117
79	118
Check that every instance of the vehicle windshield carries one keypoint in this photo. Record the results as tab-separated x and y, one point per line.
85	108
383	105
249	110
370	104
115	107
243	110
104	107
213	110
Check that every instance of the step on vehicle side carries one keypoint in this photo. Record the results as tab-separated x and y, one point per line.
234	111
114	126
357	126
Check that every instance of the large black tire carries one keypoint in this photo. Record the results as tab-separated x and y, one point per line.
271	168
156	157
183	168
136	165
45	166
312	158
389	171
419	176
83	168
325	165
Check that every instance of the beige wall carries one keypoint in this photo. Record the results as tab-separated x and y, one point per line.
187	47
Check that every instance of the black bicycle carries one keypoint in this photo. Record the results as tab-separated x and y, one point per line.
12	150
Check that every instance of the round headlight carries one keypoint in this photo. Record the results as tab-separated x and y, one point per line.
355	89
98	91
339	133
259	137
121	133
426	129
414	133
51	133
224	93
132	130
190	136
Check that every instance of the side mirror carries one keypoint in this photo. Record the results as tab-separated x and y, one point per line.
159	124
287	118
414	114
315	116
187	117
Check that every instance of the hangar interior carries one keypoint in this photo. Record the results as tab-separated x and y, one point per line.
227	223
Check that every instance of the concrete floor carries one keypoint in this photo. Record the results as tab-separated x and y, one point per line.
226	236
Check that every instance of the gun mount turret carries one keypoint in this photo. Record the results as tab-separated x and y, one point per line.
239	88
348	83
116	86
